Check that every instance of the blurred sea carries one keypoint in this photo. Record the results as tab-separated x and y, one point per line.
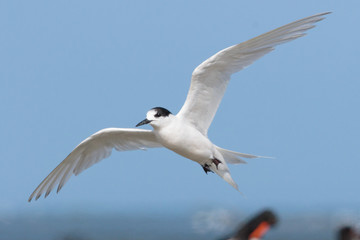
212	224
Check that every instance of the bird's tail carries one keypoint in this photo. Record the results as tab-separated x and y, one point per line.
232	157
223	171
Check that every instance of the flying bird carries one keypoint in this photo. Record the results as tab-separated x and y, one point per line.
186	132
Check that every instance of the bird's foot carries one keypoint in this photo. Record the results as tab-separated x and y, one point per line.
216	162
207	168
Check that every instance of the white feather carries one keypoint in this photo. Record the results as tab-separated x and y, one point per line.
92	150
209	80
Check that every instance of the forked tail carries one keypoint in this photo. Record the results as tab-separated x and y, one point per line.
232	157
223	171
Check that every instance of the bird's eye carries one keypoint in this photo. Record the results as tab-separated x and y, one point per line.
157	115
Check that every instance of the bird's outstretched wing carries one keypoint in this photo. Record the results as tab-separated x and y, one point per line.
209	80
93	149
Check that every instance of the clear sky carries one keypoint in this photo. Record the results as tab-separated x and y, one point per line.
71	68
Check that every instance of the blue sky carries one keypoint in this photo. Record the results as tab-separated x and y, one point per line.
71	68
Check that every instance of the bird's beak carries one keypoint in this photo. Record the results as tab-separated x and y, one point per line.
143	122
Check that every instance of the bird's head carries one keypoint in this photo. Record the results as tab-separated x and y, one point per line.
155	117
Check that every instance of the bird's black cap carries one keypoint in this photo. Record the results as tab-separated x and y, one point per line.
162	111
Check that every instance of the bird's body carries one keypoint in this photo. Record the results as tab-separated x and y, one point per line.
186	132
185	140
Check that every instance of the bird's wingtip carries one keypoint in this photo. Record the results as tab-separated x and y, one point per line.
325	13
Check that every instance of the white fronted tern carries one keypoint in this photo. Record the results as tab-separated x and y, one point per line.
186	132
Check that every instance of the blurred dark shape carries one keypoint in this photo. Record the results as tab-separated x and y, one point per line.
347	233
256	227
74	236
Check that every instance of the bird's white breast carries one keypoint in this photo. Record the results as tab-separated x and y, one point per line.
184	139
